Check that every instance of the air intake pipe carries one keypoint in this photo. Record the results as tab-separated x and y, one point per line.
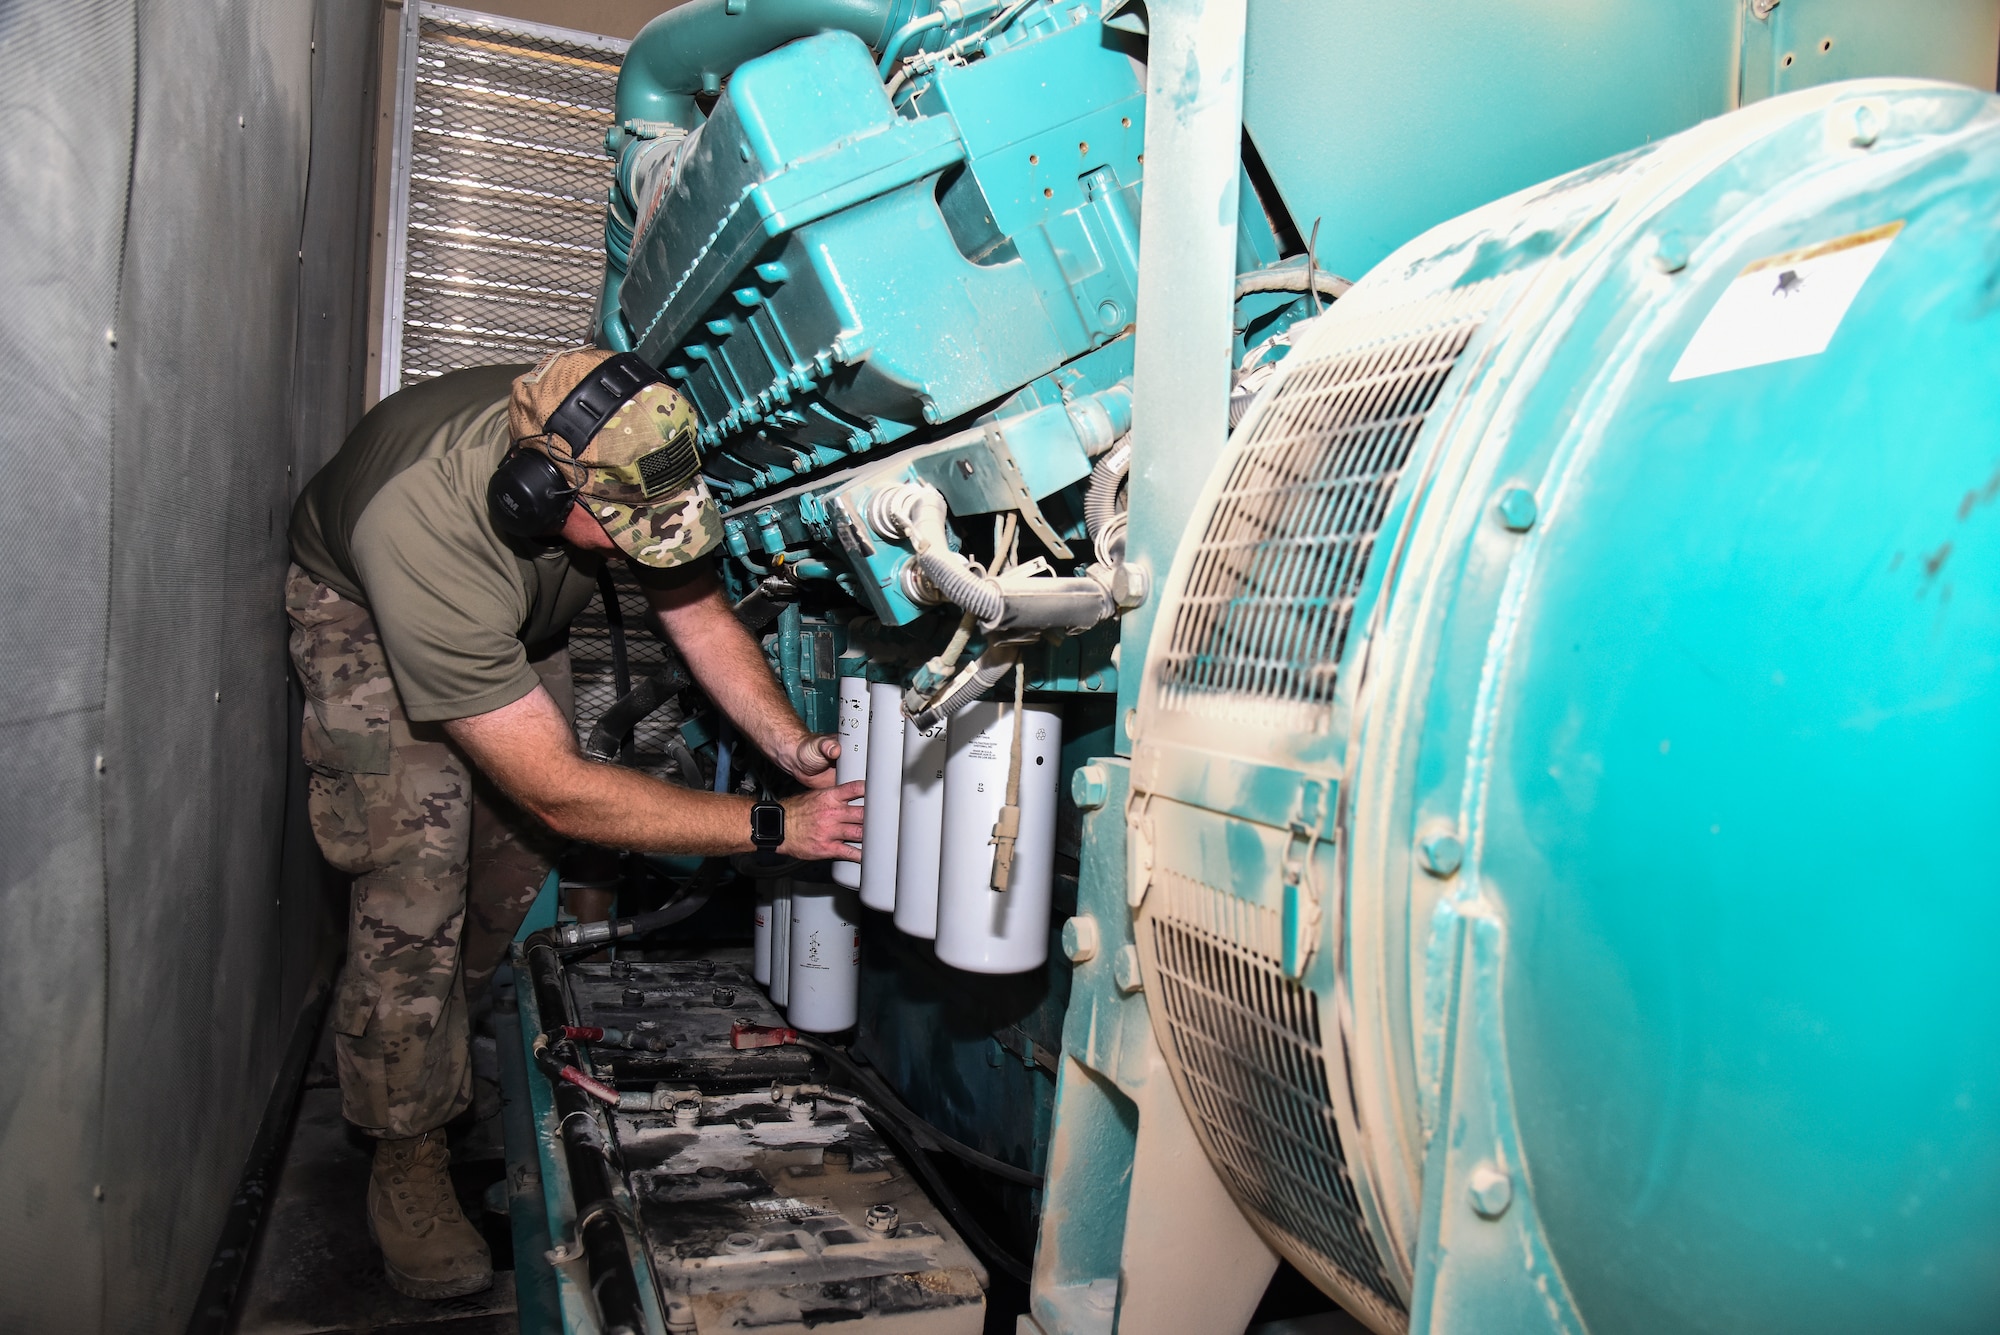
692	48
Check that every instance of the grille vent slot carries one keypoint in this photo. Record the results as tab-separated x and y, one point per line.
1258	630
498	221
1246	1043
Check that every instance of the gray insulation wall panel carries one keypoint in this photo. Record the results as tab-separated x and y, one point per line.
164	915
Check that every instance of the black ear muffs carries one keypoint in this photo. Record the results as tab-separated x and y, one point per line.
528	494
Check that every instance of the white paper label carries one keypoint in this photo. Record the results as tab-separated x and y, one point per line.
1784	306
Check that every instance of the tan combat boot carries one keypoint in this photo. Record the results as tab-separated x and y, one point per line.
413	1215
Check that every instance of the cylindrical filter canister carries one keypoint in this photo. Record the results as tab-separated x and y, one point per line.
760	932
781	940
825	958
879	817
922	829
853	761
980	929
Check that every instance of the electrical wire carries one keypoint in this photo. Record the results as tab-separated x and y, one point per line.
909	1132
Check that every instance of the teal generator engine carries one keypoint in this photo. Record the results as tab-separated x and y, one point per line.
1470	781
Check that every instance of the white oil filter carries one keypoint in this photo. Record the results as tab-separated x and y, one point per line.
825	958
853	761
879	816
760	932
979	929
781	938
922	829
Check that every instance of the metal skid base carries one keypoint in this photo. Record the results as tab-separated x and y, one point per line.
749	1195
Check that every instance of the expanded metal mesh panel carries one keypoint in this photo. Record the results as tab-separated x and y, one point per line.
1258	631
502	213
1246	1042
595	678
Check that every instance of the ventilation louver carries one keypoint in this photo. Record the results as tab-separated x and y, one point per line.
497	215
1259	628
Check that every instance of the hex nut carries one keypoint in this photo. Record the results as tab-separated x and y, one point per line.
882	1218
1518	510
1080	939
1090	787
1125	970
1490	1190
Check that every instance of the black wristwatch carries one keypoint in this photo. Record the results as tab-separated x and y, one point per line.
767	826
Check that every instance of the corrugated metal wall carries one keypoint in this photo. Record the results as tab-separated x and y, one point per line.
182	291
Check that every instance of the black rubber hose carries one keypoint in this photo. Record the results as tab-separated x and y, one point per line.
617	722
880	1094
910	1142
600	1230
614	620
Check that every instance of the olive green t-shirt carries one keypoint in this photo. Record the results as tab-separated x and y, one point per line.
398	520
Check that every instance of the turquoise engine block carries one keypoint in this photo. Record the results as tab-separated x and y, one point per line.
824	272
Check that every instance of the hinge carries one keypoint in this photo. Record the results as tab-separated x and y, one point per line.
1301	907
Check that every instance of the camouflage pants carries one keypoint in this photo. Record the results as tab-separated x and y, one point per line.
444	868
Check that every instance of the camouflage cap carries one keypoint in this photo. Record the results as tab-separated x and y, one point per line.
640	475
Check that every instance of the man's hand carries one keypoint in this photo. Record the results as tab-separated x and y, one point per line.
730	665
811	761
820	824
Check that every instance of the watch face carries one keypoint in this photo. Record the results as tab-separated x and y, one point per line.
767	823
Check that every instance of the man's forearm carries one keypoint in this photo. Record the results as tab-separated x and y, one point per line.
730	665
528	749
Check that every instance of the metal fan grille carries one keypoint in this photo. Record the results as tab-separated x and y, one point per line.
1246	1041
1259	629
499	213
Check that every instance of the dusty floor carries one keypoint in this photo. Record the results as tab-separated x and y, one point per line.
316	1273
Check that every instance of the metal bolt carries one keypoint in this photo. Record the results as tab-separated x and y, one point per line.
1761	9
1491	1190
687	1112
1442	854
1518	509
1670	252
1080	939
965	468
1090	786
881	1218
680	1317
740	1243
1864	125
723	996
1125	970
633	997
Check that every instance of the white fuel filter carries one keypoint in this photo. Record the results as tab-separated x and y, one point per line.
980	929
781	938
825	951
760	932
921	831
853	761
880	816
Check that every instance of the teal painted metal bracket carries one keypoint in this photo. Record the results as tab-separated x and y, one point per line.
1107	1036
1483	1265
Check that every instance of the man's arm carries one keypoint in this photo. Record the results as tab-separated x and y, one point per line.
529	749
731	667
